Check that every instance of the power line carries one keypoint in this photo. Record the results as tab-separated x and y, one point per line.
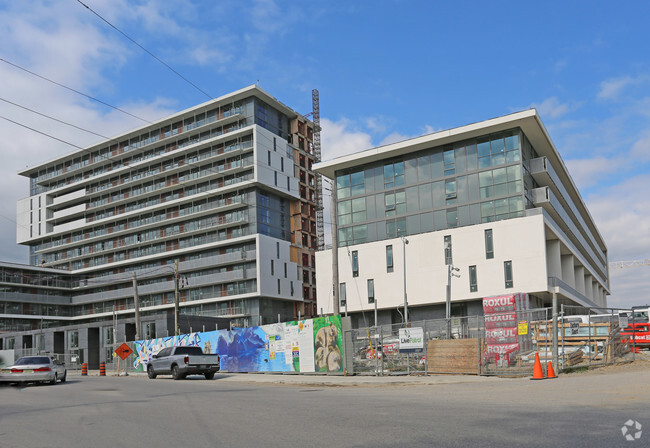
75	91
147	51
55	119
42	133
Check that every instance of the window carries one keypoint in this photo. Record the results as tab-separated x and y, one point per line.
272	267
507	271
275	178
274	144
10	343
393	175
149	330
352	211
277	250
448	259
282	164
450	162
342	295
489	247
395	203
285	270
352	184
389	258
371	291
39	342
279	290
73	339
355	263
473	286
269	157
109	336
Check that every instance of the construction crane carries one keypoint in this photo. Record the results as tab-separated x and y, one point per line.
629	264
320	228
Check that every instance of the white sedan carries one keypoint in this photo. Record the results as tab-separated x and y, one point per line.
32	369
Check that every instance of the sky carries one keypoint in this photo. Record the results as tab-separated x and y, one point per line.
385	70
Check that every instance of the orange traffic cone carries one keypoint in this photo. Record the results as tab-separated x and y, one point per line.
549	372
537	369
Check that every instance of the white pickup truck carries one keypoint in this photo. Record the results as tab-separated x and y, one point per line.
180	361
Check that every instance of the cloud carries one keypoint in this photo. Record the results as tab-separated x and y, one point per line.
552	108
622	213
611	89
589	172
393	137
340	138
428	129
59	41
641	149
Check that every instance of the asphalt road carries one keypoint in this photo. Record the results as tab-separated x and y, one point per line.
571	411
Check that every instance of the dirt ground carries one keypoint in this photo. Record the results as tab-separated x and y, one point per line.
640	361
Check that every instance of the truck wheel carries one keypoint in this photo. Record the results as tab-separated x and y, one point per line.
209	375
151	373
176	373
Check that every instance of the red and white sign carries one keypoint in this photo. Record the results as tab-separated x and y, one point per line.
500	350
501	335
499	304
500	320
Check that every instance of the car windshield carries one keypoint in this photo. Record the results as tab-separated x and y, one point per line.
189	351
32	360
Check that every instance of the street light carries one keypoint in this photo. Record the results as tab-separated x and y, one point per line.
450	273
406	310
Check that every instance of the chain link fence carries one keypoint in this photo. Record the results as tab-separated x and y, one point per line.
503	344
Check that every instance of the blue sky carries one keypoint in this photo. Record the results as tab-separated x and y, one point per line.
386	70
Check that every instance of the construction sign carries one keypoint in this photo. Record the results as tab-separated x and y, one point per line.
123	351
522	327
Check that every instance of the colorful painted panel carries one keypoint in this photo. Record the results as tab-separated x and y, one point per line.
309	345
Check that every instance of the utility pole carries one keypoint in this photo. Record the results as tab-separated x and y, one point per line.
450	273
176	305
406	308
136	304
335	256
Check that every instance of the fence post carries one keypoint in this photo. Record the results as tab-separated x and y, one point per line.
591	352
563	332
426	349
555	365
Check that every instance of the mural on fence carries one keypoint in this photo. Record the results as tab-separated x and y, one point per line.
309	345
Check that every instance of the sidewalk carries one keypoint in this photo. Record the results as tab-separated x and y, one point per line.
316	380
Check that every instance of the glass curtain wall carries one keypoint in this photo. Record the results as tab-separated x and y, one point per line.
470	182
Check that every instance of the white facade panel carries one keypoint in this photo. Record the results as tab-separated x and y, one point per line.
68	226
69	211
70	196
23	220
273	260
519	240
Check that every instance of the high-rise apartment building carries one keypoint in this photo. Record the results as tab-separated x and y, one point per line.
492	202
222	193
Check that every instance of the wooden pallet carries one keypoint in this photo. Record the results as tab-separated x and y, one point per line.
453	356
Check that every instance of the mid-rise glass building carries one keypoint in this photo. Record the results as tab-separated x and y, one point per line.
493	198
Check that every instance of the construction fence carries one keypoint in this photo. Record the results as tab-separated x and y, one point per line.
495	344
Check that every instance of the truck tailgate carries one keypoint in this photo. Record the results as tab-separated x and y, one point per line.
203	360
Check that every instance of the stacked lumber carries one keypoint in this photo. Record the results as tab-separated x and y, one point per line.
575	358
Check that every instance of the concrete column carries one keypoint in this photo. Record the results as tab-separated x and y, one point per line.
568	274
589	292
553	259
579	278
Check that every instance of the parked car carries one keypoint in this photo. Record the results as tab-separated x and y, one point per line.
180	361
34	369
